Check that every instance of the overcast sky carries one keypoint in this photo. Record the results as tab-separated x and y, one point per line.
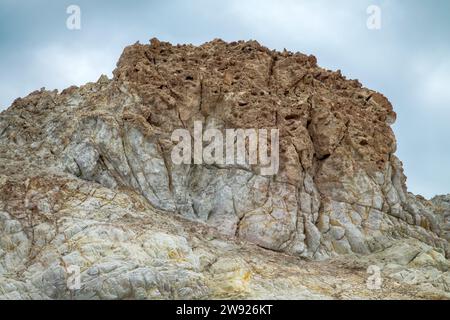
408	59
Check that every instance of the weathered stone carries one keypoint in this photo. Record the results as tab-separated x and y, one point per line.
87	179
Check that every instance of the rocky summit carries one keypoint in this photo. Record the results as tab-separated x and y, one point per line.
93	207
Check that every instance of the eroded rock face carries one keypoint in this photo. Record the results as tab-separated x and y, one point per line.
340	189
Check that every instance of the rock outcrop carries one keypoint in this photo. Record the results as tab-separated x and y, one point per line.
87	179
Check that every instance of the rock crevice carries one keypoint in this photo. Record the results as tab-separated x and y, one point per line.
340	189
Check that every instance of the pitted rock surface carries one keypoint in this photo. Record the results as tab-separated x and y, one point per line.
87	179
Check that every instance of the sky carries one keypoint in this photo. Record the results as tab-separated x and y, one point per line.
407	58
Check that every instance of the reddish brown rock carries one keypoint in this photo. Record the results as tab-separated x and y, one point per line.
340	188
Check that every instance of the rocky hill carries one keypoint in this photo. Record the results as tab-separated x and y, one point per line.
87	180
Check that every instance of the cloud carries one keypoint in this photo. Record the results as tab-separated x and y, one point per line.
430	80
436	86
65	66
54	66
310	21
303	22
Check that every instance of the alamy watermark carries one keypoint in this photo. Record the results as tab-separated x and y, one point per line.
239	147
74	277
73	22
374	281
374	19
